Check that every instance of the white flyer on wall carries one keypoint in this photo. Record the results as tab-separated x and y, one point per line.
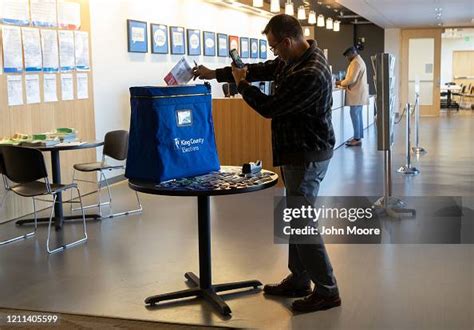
15	90
50	88
82	86
69	15
67	87
32	50
82	50
32	87
15	12
12	51
66	50
49	46
43	13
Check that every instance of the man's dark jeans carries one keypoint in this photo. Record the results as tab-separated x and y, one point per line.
308	261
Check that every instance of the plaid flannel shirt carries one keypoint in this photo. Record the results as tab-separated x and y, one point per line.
300	107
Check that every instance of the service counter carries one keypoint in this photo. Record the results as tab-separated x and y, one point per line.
242	135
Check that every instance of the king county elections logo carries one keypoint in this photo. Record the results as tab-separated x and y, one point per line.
159	38
176	143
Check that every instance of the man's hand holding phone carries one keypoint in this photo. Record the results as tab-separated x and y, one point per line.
239	74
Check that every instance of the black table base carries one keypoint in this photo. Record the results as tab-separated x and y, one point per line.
203	285
64	218
209	294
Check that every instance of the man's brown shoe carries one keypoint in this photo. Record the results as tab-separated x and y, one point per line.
353	143
287	288
315	302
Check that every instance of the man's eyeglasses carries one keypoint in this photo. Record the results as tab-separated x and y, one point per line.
272	48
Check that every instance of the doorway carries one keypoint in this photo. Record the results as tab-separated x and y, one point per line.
420	69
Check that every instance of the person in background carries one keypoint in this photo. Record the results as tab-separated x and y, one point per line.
357	92
302	143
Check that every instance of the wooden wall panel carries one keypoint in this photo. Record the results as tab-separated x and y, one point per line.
242	135
42	117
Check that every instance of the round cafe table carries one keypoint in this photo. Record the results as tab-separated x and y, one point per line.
56	174
228	181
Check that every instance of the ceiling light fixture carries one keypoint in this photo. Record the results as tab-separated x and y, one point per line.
329	23
289	9
301	13
307	33
337	26
320	20
312	17
258	3
275	6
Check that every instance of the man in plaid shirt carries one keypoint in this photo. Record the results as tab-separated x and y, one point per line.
302	142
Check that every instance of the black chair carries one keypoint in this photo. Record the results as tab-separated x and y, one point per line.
25	167
230	89
7	190
115	147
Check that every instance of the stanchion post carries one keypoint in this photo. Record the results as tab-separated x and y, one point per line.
417	149
408	169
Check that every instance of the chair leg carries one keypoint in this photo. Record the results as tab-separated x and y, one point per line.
68	245
73	181
108	190
109	202
138	210
24	236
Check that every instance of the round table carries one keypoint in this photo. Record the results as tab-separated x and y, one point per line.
228	181
56	175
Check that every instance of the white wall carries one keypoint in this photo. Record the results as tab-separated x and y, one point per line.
393	46
115	70
448	46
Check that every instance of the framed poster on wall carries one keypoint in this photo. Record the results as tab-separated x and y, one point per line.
209	41
263	49
244	47
222	46
194	42
234	43
253	48
159	38
177	40
137	36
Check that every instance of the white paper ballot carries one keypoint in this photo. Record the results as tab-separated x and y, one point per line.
82	86
67	87
32	88
14	12
15	90
49	46
82	50
50	88
32	50
66	50
69	15
12	51
180	74
43	13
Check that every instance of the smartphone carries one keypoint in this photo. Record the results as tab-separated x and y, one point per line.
234	54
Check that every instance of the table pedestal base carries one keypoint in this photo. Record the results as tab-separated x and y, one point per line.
209	294
65	218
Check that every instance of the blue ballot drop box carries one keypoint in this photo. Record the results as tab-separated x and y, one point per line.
171	133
